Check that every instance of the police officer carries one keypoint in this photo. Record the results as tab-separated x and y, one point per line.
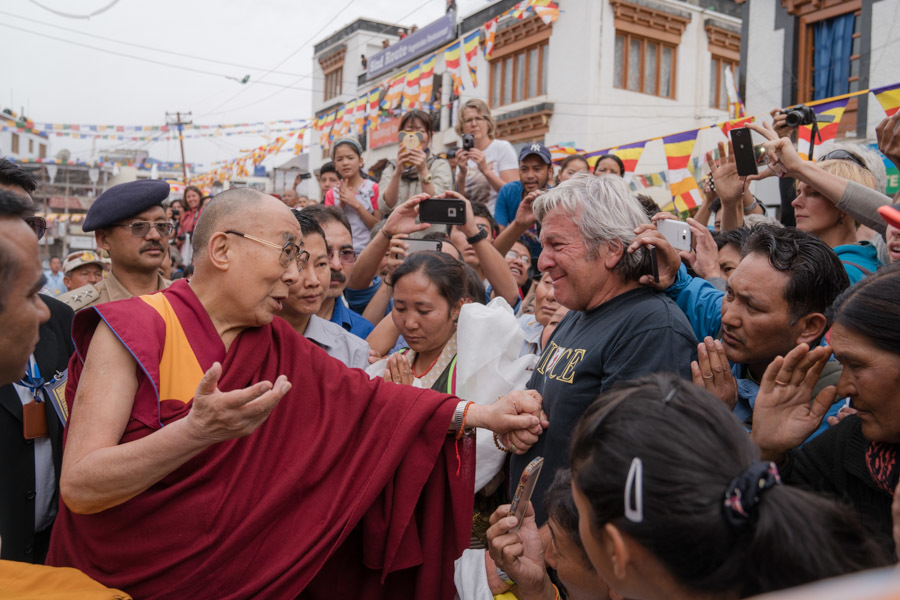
131	225
82	268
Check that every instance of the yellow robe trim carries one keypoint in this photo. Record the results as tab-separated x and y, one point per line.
179	370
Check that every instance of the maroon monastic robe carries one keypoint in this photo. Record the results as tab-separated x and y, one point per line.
350	489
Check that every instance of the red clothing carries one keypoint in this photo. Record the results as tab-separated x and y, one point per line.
351	485
189	220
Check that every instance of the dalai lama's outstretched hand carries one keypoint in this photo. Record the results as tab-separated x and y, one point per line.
217	416
517	417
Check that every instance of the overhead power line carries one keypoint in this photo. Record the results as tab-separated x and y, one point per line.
143	47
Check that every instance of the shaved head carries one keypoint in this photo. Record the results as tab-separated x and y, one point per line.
232	209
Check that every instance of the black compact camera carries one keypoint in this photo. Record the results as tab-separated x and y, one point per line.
468	141
801	114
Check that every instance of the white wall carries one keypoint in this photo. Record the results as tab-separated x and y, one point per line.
765	60
884	68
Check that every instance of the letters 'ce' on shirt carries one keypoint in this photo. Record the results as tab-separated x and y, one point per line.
636	333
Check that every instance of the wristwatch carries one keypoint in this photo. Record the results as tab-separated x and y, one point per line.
427	178
751	207
482	234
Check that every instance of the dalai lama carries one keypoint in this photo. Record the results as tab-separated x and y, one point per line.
212	452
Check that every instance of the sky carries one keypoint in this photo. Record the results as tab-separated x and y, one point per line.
270	40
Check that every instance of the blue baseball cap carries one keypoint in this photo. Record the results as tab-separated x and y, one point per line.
535	148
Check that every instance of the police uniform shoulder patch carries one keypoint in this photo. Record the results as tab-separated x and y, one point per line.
80	297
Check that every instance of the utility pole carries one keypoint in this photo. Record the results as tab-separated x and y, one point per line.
180	124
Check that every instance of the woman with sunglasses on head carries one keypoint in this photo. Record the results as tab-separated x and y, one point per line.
356	195
841	192
418	170
698	515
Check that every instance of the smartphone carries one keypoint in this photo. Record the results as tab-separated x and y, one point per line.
523	493
678	233
744	157
422	245
654	264
411	140
442	211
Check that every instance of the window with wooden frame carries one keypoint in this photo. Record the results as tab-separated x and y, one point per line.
333	69
725	51
333	83
15	143
519	62
812	15
646	48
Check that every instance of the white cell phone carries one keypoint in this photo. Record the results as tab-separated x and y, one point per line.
678	233
420	245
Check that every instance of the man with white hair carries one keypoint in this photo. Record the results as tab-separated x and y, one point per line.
617	329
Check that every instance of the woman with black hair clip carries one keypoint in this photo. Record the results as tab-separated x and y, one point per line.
697	514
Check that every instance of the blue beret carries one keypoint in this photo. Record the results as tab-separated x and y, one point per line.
125	200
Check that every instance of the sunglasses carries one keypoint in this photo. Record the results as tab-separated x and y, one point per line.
844	155
38	225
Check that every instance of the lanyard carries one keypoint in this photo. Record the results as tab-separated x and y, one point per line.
54	390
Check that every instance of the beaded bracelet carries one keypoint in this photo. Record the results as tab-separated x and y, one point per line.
499	446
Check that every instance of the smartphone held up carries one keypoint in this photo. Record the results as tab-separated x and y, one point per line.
524	490
744	154
442	211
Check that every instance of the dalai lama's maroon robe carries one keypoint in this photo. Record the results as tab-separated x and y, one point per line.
349	490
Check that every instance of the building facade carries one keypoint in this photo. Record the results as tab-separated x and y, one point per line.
780	39
606	72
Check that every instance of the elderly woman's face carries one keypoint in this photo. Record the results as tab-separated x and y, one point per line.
871	378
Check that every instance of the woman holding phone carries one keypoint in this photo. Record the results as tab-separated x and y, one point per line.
417	170
488	164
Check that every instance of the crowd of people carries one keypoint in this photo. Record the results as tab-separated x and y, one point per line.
250	395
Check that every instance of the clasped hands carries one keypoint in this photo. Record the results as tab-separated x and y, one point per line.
516	417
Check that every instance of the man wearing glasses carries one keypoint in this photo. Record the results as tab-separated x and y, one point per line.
131	225
214	452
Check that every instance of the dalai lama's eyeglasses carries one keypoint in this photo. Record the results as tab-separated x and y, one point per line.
289	252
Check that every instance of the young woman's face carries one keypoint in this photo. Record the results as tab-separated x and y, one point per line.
519	261
416	126
192	198
347	161
607	166
422	315
575	166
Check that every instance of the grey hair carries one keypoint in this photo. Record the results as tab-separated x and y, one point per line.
869	158
605	211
